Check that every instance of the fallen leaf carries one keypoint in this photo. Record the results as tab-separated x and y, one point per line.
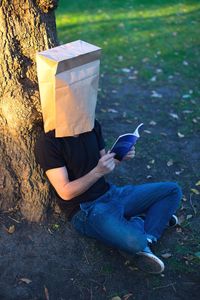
153	79
25	280
163	133
184	198
159	70
132	77
189	257
55	226
156	95
186	96
133	268
126	70
153	123
170	163
46	292
189	217
166	255
187	111
127	296
197	183
149	177
11	229
112	110
195	191
147	131
179	172
152	161
173	115
116	298
185	63
180	135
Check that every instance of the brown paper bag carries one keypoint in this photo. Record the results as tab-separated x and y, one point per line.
68	78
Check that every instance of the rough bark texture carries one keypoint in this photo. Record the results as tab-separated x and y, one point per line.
26	26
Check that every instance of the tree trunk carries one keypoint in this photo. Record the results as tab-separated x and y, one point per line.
26	26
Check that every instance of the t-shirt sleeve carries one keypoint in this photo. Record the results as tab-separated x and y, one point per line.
48	153
100	139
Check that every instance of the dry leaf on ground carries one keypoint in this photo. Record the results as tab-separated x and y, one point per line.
46	293
166	255
170	163
195	191
11	229
25	280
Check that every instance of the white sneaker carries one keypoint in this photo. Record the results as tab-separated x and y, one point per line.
173	221
148	262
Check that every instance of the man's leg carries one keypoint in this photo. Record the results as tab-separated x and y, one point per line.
157	200
105	221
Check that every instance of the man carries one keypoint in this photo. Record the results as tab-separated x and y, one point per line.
76	166
71	151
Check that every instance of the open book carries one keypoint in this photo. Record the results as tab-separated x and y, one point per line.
124	143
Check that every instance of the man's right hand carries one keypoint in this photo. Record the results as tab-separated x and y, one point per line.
105	165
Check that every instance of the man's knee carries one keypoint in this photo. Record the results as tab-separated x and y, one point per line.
176	189
134	243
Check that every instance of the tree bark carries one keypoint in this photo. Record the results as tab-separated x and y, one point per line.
26	26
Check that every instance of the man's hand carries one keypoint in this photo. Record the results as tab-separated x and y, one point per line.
130	154
106	164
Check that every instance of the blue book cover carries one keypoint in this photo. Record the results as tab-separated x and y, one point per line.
124	143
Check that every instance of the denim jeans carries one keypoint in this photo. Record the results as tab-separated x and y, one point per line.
113	217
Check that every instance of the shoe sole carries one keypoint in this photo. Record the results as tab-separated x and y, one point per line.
149	263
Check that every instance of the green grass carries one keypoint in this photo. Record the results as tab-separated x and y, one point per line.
155	38
141	34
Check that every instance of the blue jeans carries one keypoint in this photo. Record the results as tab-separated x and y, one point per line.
113	217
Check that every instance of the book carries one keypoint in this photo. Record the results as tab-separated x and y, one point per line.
124	143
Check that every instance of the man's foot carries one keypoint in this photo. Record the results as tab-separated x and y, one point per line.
149	262
173	221
146	261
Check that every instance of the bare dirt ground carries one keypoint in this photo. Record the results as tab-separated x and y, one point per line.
52	261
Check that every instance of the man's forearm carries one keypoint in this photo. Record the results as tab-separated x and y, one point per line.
79	186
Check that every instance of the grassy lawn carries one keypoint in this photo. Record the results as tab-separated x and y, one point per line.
153	41
139	34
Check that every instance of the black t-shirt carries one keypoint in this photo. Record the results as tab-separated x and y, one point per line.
80	155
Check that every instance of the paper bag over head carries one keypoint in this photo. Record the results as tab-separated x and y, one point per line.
68	77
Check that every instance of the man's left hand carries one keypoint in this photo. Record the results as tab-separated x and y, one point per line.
130	154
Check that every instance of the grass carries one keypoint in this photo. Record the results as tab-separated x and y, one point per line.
138	34
152	39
